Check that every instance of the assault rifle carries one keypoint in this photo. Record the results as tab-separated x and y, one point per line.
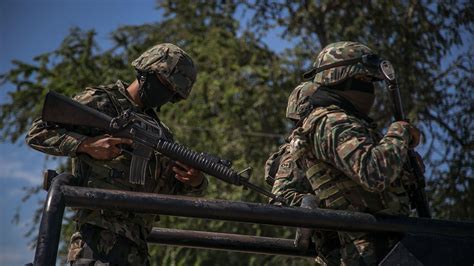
417	192
148	136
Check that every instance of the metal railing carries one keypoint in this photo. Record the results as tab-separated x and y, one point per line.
62	193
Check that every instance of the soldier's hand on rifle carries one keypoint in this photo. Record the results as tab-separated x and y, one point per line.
102	147
414	134
188	175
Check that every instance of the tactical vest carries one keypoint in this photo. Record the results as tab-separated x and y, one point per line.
334	189
272	164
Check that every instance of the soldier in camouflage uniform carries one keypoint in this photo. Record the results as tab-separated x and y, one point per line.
296	183
348	164
289	180
164	73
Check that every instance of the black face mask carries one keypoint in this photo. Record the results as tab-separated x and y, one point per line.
359	93
355	85
153	93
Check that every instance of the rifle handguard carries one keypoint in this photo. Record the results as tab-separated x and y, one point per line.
196	160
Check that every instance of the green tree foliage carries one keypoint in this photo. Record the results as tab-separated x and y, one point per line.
236	109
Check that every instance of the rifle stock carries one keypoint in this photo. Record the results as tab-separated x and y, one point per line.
60	109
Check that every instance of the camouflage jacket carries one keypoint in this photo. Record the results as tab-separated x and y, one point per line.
352	148
109	174
358	150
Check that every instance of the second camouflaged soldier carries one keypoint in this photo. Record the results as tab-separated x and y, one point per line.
165	73
288	178
348	164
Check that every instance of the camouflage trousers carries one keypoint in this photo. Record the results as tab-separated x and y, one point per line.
332	258
365	249
93	245
327	245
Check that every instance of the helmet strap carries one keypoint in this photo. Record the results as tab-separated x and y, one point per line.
141	77
367	59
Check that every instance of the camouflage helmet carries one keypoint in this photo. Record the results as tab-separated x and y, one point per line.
298	101
171	64
349	56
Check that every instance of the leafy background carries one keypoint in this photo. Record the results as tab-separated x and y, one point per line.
236	109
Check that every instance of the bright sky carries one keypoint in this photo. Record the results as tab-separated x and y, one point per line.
28	28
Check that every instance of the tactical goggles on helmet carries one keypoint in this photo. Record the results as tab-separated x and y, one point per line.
369	60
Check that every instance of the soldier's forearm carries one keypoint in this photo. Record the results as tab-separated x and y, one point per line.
380	164
372	165
53	140
291	189
293	197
